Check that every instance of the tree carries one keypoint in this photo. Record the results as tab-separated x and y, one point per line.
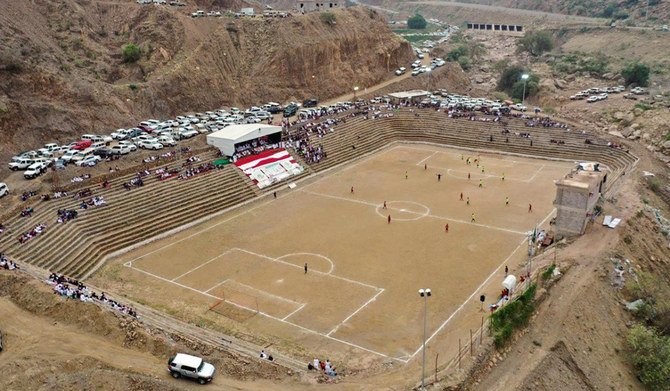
464	62
636	73
651	356
417	22
131	53
511	83
536	43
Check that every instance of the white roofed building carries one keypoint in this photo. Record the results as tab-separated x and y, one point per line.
237	138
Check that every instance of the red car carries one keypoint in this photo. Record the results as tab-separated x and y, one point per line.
81	145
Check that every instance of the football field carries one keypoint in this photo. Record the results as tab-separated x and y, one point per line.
358	295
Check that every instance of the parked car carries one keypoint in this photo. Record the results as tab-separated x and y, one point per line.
35	170
20	164
188	133
90	160
167	141
4	190
592	99
120	150
103	152
143	137
132	147
416	72
81	145
79	155
273	108
310	103
151	144
290	110
191	367
120	134
67	158
400	71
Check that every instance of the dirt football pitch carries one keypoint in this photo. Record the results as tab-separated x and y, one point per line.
358	300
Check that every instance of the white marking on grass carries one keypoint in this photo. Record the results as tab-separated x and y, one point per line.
201	265
332	265
291	314
373	298
426	158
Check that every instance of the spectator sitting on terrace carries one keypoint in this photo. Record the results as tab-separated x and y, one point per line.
7	264
32	233
60	194
76	290
83	193
27	212
45	197
66	215
2	228
27	195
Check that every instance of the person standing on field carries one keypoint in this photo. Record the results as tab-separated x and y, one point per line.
473	217
389	219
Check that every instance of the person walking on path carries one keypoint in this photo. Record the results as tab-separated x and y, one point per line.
274	194
389	219
305	267
506	201
506	271
473	217
530	208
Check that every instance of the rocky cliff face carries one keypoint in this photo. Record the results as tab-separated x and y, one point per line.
61	70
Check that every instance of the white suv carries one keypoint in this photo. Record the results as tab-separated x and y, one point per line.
35	170
4	190
191	367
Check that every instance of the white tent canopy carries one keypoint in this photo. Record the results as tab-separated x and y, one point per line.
226	138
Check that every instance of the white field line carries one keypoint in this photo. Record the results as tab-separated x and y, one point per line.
218	284
262	292
373	298
291	314
478	288
426	158
534	175
411	212
201	265
479	175
311	271
282	320
494	152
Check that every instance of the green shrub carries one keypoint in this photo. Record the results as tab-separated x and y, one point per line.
131	53
512	316
651	356
417	22
536	43
549	272
132	86
328	18
636	73
464	62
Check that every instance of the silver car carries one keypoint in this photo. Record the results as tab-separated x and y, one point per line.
191	367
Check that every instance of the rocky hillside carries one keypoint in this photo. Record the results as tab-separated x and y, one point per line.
61	69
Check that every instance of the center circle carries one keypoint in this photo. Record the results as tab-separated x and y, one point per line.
410	210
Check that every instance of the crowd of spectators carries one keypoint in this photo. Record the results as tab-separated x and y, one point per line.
27	212
83	193
95	201
80	178
74	289
65	215
325	366
193	171
7	264
28	194
34	232
253	147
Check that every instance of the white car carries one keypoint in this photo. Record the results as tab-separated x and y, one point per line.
129	144
20	164
4	189
67	158
151	144
120	134
79	155
592	99
188	133
35	170
120	150
141	138
167	141
90	160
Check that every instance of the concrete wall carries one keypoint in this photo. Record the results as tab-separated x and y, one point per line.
510	28
312	6
574	205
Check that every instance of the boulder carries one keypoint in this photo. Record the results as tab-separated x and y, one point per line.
619	115
646	137
629	117
627	132
608	76
560	84
638	111
570	77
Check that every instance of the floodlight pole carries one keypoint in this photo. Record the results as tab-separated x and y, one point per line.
524	77
425	293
